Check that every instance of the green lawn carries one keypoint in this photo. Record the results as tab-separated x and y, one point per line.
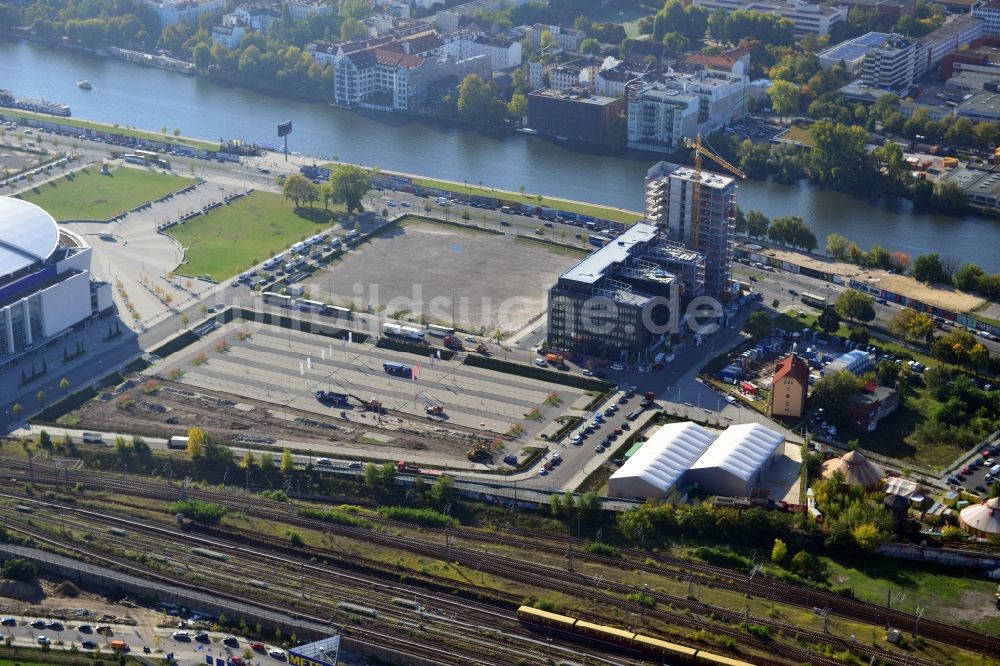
91	195
144	135
944	593
616	214
232	238
800	134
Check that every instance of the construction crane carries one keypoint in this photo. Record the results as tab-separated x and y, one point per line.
700	150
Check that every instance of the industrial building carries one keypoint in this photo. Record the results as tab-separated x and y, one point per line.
730	463
735	461
45	281
575	114
669	190
623	299
867	408
889	65
809	18
851	53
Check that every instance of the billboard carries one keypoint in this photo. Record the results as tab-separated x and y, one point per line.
285	128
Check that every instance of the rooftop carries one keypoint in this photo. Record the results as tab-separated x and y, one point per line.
984	101
741	450
854	49
668	453
596	100
595	266
27	235
708	178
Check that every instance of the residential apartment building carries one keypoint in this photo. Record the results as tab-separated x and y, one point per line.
621	301
575	114
789	388
257	16
867	408
890	65
989	12
450	20
660	119
809	18
502	52
299	9
568	39
172	12
710	230
230	33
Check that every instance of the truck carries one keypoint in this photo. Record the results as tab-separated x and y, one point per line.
331	397
452	342
177	442
555	359
648	399
412	333
400	369
392	329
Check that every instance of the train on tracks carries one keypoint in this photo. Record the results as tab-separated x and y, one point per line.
647	645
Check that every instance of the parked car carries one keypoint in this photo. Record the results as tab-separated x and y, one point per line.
88	644
617	367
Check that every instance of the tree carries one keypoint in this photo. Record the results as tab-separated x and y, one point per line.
249	460
477	100
547	40
912	325
287	462
839	156
757	224
590	46
928	268
19	569
887	372
352	29
64	383
833	393
201	56
675	43
968	276
856	306
297	188
953	347
517	108
197	439
758	325
348	185
779	551
40	396
901	262
867	537
266	462
785	98
836	246
828	320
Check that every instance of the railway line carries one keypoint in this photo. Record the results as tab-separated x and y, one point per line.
556	579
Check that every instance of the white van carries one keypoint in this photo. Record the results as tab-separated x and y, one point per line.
442	201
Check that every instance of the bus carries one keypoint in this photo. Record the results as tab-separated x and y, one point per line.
338	312
310	306
148	155
134	159
814	300
440	331
283	300
400	369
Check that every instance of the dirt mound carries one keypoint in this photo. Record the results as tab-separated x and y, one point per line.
66	589
14	589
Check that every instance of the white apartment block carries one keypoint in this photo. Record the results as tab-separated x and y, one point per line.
659	119
989	12
809	19
172	12
258	16
950	37
230	33
502	53
299	9
890	66
568	39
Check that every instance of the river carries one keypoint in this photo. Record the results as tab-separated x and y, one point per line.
150	98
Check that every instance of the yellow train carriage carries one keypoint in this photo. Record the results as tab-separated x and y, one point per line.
605	633
664	648
545	618
718	660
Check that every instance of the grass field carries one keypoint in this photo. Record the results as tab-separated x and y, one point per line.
800	134
232	238
144	135
91	195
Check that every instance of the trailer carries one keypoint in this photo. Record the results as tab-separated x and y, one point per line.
332	398
392	329
399	369
177	442
412	333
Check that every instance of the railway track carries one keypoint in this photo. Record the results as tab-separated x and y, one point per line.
556	579
760	586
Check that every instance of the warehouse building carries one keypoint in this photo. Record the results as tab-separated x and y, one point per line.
734	463
661	462
686	454
45	281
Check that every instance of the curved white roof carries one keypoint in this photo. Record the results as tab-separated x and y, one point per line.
983	518
741	450
662	460
27	234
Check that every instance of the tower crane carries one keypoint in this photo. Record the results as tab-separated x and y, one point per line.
699	151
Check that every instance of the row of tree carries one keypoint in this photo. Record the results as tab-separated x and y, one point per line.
348	184
789	230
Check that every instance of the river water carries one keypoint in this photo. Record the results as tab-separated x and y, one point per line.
150	98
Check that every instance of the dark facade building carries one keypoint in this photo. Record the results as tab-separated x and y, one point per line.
575	115
621	301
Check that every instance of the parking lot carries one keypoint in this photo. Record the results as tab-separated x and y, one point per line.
422	269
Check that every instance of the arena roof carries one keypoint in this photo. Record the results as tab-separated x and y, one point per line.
741	450
27	235
661	461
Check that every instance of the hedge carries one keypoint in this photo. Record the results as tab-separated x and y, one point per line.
413	348
534	372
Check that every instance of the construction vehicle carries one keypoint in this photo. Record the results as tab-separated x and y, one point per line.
432	406
555	359
373	405
699	151
481	348
479	452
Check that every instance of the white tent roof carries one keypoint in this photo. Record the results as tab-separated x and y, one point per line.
983	518
897	485
664	458
741	450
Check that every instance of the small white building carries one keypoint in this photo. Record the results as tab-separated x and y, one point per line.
733	464
172	12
